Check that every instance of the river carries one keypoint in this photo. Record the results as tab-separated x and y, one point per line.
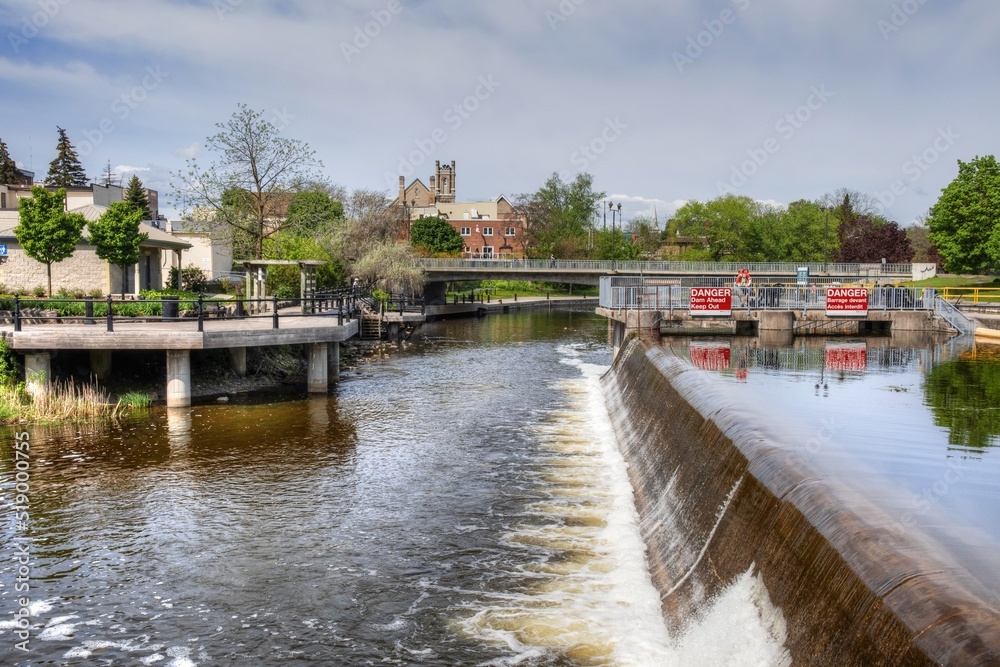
460	501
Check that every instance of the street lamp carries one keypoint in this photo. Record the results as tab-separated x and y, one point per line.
611	207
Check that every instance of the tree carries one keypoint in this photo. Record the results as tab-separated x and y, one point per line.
253	159
137	199
864	238
389	266
8	168
116	236
923	250
312	210
47	232
645	236
559	216
65	171
965	221
434	236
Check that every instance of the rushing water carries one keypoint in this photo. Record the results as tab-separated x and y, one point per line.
459	502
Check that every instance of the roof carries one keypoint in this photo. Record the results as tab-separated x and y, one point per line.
9	219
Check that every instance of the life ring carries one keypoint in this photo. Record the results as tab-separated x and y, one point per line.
743	277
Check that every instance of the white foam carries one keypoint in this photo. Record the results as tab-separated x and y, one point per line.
596	602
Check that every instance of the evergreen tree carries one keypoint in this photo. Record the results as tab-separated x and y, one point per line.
8	168
47	232
65	171
116	236
137	199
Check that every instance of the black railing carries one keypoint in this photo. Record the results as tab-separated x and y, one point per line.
174	309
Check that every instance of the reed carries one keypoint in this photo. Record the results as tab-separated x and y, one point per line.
56	402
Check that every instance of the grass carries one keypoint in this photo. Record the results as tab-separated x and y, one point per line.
133	401
506	289
58	402
956	281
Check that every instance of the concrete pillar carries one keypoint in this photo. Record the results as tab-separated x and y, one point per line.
318	377
100	363
238	360
776	320
178	378
37	372
333	359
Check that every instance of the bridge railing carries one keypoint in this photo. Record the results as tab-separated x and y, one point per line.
171	309
646	296
873	270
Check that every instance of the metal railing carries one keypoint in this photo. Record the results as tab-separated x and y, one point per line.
728	268
971	295
110	310
956	318
647	295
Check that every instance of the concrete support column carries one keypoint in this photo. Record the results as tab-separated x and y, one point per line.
178	378
37	372
100	363
238	360
318	377
776	320
333	359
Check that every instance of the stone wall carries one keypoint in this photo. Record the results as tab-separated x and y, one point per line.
83	270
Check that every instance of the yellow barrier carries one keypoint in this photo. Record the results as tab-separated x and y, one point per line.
972	295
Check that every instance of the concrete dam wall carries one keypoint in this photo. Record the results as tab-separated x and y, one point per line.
719	494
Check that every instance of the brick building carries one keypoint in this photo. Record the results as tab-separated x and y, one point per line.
490	228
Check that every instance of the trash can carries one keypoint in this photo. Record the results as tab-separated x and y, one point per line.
169	305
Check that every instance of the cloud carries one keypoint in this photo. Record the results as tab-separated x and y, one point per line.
188	152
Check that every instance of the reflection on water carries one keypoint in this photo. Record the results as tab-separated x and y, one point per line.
965	397
911	425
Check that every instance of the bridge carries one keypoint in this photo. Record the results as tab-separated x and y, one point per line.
589	272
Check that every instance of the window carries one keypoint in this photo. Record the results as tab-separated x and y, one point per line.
3	200
487	231
466	231
509	231
487	251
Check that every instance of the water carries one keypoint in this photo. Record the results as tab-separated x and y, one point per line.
461	502
913	429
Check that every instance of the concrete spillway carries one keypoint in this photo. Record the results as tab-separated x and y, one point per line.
718	493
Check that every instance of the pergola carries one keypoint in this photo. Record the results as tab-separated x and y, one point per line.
255	286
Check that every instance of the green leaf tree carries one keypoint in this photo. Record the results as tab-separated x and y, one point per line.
47	232
312	211
965	221
116	236
65	171
137	199
559	216
433	235
8	168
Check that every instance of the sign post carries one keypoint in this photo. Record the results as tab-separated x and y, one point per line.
711	301
803	275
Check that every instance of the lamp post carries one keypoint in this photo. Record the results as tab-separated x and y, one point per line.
611	207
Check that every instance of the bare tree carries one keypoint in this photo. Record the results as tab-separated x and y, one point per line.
389	266
248	188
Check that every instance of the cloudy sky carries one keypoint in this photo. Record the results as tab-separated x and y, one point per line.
660	101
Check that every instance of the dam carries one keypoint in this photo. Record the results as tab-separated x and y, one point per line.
501	492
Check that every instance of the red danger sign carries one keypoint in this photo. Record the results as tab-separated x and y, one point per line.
846	301
846	356
717	301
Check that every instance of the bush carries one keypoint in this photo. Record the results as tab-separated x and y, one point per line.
39	291
286	292
10	367
192	279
